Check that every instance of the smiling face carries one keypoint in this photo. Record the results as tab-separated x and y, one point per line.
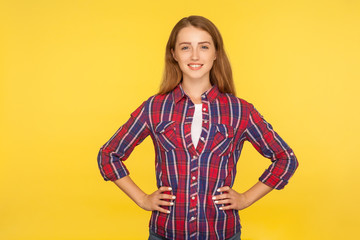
195	53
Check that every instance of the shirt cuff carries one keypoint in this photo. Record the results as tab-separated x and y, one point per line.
114	174
272	181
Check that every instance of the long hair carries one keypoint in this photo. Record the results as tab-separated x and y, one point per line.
220	73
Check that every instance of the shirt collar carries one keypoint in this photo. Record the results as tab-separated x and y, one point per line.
210	94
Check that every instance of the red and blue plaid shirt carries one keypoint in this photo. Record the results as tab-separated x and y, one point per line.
195	174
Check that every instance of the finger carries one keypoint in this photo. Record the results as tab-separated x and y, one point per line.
160	209
165	203
221	196
228	207
223	201
163	189
166	196
223	189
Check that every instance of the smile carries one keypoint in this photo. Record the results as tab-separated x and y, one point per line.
195	66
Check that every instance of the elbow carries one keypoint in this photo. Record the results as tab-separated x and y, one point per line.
110	164
293	163
99	156
101	164
296	164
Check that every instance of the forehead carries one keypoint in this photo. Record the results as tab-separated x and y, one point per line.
193	34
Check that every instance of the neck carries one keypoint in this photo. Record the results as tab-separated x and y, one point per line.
194	89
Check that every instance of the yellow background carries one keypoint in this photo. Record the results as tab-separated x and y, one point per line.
72	72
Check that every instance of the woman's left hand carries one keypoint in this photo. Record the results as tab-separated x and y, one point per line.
231	199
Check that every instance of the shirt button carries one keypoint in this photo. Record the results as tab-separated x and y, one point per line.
193	178
202	138
291	154
194	157
193	198
203	96
192	218
205	121
204	109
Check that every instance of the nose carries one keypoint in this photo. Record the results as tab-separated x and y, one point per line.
194	54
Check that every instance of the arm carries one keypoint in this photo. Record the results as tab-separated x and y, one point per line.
147	202
269	144
118	149
241	201
127	185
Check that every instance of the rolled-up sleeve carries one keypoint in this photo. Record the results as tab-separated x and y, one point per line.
269	144
119	147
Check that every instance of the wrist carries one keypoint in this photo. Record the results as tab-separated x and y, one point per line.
141	200
256	192
249	199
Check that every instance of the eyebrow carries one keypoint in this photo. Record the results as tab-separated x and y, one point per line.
190	42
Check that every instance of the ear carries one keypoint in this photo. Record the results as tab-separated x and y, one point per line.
173	53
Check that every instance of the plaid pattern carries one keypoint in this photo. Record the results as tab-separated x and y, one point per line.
196	174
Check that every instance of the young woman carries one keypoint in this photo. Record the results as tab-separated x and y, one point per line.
198	127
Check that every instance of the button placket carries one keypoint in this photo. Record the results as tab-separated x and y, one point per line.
193	191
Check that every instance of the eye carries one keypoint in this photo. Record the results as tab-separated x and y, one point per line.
204	47
184	48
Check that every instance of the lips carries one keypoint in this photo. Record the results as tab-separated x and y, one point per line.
195	66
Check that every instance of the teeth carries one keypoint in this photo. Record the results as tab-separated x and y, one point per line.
195	65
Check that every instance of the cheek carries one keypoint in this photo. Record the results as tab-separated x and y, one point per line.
182	65
211	63
211	56
183	57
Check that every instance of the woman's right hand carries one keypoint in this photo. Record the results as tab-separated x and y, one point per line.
154	201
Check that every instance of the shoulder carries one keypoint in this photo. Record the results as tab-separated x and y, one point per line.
231	99
155	101
160	97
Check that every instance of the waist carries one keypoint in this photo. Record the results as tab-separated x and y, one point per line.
204	224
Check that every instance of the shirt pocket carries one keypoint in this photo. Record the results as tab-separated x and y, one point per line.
166	135
223	139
